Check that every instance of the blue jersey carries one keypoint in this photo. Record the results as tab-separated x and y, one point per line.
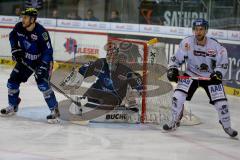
36	44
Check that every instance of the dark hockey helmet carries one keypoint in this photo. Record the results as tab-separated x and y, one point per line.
200	22
32	12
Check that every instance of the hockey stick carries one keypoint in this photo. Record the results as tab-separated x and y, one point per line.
203	78
53	85
73	69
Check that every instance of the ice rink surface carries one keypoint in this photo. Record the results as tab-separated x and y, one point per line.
27	136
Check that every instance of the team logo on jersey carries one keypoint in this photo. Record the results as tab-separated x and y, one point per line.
45	36
203	54
34	37
203	67
211	52
27	45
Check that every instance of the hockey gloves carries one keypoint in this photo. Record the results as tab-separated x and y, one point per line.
18	54
172	74
42	70
216	77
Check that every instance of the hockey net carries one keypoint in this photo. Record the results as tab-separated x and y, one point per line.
149	60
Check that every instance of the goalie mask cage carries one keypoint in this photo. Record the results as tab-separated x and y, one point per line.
149	60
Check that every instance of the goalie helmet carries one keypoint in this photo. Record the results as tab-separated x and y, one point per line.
112	50
200	22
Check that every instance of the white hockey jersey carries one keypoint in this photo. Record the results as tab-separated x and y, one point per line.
200	60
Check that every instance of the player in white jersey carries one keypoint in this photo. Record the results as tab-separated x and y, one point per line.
204	57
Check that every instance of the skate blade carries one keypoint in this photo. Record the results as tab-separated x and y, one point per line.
7	115
53	121
234	138
168	131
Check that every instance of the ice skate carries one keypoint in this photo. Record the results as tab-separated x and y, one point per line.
53	117
231	132
172	126
10	110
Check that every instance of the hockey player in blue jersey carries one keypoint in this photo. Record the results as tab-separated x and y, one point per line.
31	47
